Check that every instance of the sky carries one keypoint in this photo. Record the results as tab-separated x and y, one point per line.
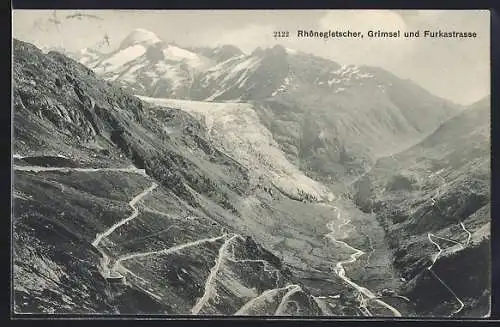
455	69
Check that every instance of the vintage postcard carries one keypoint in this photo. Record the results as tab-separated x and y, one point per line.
251	163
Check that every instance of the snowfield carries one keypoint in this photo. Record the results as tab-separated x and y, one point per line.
190	58
121	58
140	36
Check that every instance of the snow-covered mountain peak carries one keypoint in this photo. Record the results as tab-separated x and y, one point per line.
227	47
220	53
194	60
140	36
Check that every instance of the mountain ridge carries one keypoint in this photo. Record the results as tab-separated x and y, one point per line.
371	112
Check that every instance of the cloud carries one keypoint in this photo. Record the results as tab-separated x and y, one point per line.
351	51
363	20
247	38
455	69
452	68
376	51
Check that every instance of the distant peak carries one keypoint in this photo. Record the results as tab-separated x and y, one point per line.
277	50
140	36
228	47
484	102
257	52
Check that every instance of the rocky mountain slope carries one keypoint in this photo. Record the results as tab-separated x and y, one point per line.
332	121
121	206
434	202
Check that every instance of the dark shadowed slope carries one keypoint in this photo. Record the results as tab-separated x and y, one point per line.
434	201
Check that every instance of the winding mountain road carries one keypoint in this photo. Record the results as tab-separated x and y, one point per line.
209	283
165	251
292	289
131	169
266	296
469	234
106	261
110	269
266	264
134	214
436	256
339	267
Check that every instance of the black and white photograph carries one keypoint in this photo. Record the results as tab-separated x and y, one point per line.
289	163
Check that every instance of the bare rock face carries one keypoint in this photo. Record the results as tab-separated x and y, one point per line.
154	53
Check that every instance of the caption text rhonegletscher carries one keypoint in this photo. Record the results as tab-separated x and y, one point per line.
377	34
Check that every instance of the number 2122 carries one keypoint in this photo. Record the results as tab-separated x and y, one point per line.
281	34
